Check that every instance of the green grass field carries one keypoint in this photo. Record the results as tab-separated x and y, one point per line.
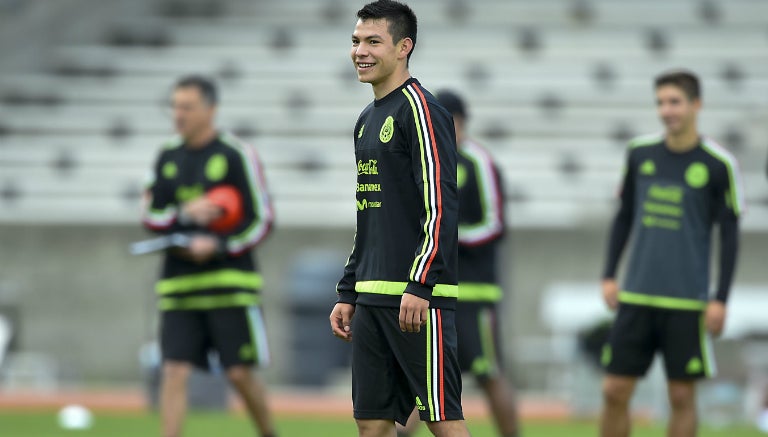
44	424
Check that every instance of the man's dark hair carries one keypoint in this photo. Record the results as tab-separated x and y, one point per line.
400	18
206	87
452	102
683	79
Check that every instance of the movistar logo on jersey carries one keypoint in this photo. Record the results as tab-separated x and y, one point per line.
387	130
697	175
419	405
365	204
648	168
360	132
651	221
461	175
216	167
367	168
170	170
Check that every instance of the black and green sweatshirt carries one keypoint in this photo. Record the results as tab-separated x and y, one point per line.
670	203
181	174
407	203
481	224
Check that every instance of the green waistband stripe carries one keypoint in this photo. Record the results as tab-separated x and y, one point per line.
227	278
397	288
671	303
478	291
208	302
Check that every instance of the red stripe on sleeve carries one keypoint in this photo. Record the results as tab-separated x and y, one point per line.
436	159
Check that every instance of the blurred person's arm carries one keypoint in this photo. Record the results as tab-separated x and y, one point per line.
160	212
247	175
620	230
490	203
730	206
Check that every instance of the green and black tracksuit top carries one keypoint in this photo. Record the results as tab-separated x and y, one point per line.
407	203
181	174
481	224
670	203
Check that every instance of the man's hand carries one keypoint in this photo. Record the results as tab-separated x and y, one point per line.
202	248
201	211
714	317
341	320
413	312
610	293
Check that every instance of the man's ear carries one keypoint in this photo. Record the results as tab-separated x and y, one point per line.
405	46
697	103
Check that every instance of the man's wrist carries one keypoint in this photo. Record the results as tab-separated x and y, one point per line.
419	289
346	296
183	216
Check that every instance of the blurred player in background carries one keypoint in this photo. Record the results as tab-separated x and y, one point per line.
481	229
209	291
677	186
400	282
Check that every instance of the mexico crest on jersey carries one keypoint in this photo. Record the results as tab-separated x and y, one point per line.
697	175
387	130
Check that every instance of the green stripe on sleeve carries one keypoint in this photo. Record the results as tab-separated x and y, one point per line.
425	180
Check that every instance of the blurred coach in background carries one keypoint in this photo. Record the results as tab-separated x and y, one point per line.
208	294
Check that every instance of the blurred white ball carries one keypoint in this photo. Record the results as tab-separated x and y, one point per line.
75	417
762	421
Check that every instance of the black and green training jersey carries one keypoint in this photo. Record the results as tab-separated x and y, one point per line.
481	223
407	203
669	204
181	174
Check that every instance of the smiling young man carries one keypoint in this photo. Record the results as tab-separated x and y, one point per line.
676	187
400	282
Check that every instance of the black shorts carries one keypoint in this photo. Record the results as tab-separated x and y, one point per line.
478	335
393	371
640	331
235	334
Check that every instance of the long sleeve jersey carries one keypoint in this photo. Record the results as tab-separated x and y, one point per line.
407	203
481	223
670	203
182	174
